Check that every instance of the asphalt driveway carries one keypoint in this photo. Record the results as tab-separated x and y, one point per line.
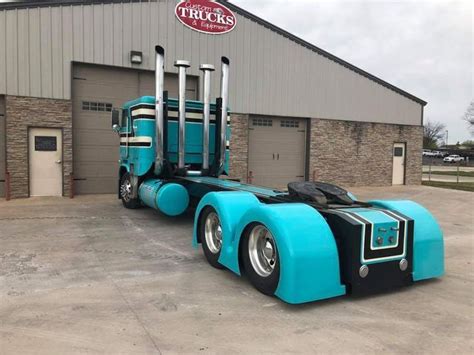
87	276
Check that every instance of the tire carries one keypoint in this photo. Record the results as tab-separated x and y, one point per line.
264	280
210	233
125	190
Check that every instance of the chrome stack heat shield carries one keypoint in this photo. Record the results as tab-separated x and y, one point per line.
206	69
159	86
225	102
181	65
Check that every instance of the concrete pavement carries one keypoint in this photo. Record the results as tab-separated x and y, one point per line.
87	276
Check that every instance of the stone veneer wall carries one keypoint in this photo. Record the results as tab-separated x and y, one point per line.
24	112
343	152
360	154
239	146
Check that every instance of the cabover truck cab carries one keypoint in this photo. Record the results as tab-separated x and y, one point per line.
312	242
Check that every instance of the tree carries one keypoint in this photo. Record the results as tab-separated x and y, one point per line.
433	132
469	117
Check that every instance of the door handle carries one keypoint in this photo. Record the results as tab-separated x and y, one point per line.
58	161
273	156
278	156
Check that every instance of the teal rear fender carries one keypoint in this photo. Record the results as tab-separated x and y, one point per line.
309	261
230	207
428	244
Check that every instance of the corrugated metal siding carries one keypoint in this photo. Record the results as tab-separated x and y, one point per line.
270	75
2	147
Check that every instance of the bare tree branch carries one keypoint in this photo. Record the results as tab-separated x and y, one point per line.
433	132
469	117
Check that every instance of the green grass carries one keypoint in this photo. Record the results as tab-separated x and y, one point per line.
452	173
464	186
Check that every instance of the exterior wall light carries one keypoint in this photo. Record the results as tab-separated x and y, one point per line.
136	57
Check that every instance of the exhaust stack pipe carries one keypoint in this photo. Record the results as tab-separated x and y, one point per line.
159	86
206	69
181	65
225	102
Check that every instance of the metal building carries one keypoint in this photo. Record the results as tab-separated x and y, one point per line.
298	112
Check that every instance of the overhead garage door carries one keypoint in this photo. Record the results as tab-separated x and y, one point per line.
277	149
95	91
2	146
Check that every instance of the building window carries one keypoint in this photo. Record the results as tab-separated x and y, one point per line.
267	122
290	123
398	152
96	106
45	144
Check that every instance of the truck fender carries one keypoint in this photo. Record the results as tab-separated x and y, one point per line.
428	243
309	260
230	207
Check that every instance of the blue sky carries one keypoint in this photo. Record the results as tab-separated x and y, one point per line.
423	47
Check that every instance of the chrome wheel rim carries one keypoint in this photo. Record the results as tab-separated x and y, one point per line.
213	232
126	190
262	251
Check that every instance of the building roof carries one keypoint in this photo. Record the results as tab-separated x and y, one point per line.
242	12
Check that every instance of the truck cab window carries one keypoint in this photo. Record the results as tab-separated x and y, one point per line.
124	118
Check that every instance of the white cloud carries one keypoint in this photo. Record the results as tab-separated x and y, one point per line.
423	47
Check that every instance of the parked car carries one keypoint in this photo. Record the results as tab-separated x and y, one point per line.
428	153
453	158
439	154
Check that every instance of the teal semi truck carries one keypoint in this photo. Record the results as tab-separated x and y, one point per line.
312	242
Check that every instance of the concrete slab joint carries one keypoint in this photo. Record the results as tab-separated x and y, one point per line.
23	113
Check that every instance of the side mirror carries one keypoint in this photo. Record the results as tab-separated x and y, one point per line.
115	120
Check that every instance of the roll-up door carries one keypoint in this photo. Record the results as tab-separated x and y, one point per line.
96	90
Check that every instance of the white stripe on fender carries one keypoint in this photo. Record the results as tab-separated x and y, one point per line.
143	139
143	111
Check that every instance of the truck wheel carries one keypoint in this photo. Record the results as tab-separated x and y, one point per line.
126	193
210	231
260	258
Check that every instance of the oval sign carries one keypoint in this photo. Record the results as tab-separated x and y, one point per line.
205	16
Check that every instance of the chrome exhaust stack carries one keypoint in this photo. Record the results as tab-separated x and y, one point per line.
206	69
181	65
159	118
225	102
